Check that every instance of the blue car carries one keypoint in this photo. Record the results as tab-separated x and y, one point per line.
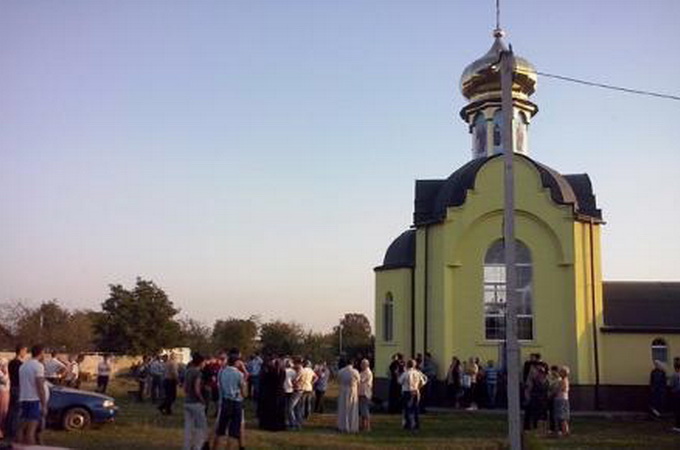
74	409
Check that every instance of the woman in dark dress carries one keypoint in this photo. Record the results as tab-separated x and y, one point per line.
396	369
271	406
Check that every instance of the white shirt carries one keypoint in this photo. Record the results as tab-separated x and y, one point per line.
366	383
73	371
288	382
28	373
104	369
52	367
412	380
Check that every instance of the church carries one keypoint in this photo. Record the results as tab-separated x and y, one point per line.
441	286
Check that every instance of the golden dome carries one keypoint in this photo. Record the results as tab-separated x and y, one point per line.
481	79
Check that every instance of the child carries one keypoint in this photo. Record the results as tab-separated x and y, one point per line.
561	404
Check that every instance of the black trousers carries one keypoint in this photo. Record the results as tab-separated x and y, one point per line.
170	389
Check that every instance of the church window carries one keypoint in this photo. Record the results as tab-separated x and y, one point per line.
659	350
521	125
497	127
479	136
494	292
388	318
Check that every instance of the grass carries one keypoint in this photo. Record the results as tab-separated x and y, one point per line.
140	426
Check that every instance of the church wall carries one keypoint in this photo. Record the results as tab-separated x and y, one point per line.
398	282
588	286
546	228
627	357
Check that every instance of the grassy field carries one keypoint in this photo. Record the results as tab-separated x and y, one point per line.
140	426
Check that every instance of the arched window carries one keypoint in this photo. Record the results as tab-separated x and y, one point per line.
521	124
494	292
497	131
388	318
659	350
479	136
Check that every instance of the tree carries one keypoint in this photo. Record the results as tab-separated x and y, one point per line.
138	321
55	326
281	338
196	335
319	347
356	335
239	333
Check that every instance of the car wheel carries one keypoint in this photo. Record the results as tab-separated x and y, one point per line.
76	419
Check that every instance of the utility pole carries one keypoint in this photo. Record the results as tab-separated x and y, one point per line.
512	344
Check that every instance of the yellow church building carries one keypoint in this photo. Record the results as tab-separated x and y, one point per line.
441	286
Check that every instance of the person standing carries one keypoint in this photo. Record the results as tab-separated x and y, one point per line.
195	421
271	403
365	395
170	381
32	396
453	376
54	369
13	416
411	381
288	392
142	375
232	386
308	378
4	396
675	393
561	405
395	370
491	380
348	397
72	372
430	371
657	388
320	386
296	399
254	367
156	369
104	369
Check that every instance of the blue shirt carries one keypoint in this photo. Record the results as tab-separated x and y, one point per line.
230	381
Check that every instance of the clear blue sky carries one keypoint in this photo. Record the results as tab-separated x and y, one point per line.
257	157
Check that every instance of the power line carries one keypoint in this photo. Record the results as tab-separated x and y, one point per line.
612	87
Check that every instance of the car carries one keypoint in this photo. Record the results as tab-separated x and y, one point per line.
75	409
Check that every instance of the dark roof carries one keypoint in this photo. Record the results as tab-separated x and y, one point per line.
401	252
433	197
642	306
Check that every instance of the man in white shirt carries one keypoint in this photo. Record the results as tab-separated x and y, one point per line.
307	380
32	396
54	369
365	394
291	375
411	381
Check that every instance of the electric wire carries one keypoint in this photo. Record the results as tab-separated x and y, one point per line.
610	86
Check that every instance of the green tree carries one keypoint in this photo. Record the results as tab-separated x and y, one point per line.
196	335
232	332
56	327
281	338
319	347
355	332
137	321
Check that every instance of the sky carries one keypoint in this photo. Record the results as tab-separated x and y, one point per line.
258	157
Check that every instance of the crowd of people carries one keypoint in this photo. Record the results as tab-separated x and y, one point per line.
285	390
24	391
469	384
